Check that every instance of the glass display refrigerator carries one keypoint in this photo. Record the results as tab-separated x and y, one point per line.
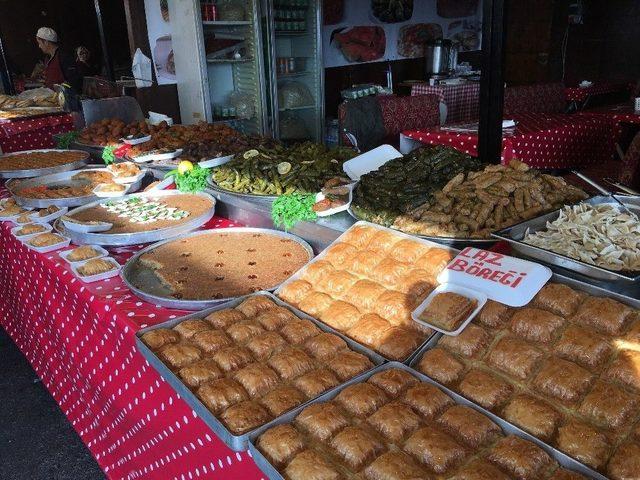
255	64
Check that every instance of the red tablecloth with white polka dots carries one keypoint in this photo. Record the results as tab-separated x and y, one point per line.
462	100
80	339
34	133
541	140
620	116
580	95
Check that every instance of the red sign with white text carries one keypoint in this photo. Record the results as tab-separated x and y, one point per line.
505	279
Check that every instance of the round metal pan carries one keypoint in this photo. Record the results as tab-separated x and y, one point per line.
449	241
62	178
122	239
38	172
248	196
145	284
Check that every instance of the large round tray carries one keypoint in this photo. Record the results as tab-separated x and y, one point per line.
249	196
121	239
37	172
153	291
57	179
450	241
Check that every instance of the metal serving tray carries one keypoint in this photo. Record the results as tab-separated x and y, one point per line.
235	442
321	255
448	241
121	239
573	283
515	236
38	172
134	274
166	165
248	196
60	179
509	429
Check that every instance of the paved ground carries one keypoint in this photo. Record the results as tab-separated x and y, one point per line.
36	440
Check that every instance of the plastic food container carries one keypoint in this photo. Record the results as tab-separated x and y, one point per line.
132	179
48	218
100	276
479	297
24	238
100	192
64	255
50	248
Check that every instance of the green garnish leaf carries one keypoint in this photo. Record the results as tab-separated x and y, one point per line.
107	155
291	208
65	140
191	181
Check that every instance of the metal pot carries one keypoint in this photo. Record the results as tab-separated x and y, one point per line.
439	54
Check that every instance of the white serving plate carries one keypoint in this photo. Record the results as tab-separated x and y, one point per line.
136	141
369	161
50	248
84	228
479	297
66	253
332	211
48	218
100	276
157	156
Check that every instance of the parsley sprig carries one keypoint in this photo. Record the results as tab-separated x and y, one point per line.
191	181
291	208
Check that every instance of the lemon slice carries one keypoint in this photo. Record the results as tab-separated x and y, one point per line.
250	154
284	168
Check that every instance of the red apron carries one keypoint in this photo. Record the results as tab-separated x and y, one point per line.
53	71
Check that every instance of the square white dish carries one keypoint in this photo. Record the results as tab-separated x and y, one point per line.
66	253
24	238
479	297
50	248
100	276
48	218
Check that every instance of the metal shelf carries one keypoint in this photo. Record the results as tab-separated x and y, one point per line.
225	23
304	107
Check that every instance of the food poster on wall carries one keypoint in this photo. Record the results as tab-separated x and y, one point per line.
356	31
159	29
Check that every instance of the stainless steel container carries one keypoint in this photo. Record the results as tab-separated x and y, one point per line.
438	57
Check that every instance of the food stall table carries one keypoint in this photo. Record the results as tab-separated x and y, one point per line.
80	339
541	140
619	115
462	100
33	133
580	95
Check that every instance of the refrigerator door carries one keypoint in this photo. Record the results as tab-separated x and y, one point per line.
219	63
294	51
189	58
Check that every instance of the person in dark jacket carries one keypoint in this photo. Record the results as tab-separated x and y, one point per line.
59	67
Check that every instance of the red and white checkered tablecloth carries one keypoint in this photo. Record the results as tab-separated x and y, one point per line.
579	95
462	100
541	140
80	339
34	133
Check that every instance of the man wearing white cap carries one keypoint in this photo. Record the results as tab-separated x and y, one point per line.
59	68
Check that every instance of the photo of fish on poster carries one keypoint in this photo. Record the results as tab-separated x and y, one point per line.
359	31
